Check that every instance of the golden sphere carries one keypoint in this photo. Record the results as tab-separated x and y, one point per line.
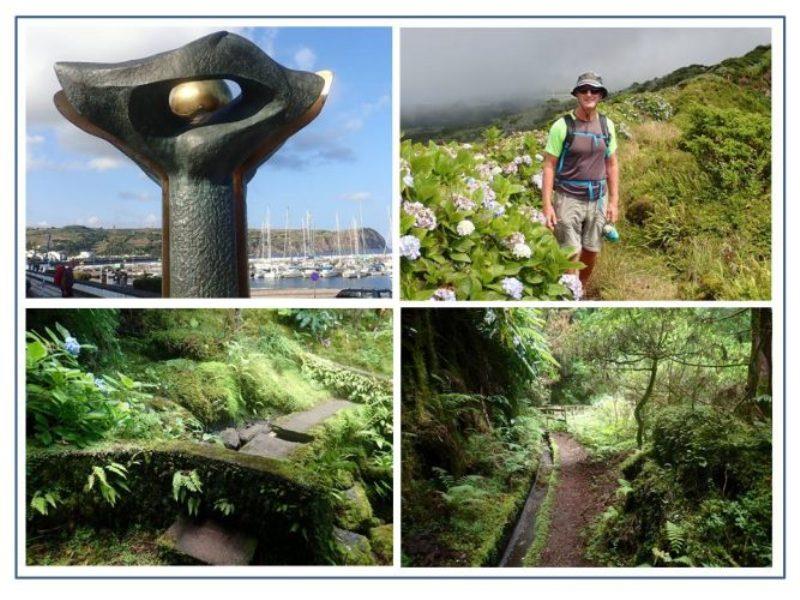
195	100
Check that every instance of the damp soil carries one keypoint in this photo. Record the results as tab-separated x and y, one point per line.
585	488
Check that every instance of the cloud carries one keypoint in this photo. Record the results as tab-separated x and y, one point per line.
33	140
355	120
93	221
104	164
356	196
305	58
479	66
138	196
368	108
151	220
41	224
44	45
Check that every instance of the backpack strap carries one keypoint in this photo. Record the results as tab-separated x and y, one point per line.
604	129
570	122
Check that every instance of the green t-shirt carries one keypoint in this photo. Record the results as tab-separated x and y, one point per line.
558	133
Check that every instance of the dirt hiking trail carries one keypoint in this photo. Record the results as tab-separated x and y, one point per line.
585	489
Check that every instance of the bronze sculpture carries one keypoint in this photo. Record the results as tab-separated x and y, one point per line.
174	116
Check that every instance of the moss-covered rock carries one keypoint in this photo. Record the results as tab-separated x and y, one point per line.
353	510
185	333
275	501
276	387
382	540
209	390
351	548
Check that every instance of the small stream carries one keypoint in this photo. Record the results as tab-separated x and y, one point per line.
525	529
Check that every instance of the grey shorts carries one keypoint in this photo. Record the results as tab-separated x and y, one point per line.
580	222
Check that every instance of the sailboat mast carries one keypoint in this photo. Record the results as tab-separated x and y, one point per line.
269	234
338	238
286	235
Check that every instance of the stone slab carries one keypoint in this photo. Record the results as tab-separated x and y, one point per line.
269	446
248	433
297	426
230	437
211	543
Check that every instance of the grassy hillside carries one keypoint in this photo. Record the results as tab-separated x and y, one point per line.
694	151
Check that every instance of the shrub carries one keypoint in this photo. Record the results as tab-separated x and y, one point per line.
148	283
733	146
68	405
700	496
469	228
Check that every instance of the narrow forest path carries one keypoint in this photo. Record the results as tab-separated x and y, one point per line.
584	490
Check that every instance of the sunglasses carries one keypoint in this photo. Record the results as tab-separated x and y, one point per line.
589	90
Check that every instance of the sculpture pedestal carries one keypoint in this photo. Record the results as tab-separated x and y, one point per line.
202	239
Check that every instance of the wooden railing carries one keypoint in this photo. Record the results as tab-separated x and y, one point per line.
561	412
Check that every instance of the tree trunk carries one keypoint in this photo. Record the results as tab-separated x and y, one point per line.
759	370
639	409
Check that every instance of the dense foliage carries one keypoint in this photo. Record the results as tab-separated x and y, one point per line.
469	227
186	375
700	495
471	440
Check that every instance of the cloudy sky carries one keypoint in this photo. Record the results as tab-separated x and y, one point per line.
339	163
444	66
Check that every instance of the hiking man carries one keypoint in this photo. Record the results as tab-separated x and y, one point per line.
580	179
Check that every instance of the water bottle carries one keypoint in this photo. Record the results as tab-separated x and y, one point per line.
610	232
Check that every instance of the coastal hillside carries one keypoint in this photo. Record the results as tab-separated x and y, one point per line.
147	241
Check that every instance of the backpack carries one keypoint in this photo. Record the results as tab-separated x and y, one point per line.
570	121
596	188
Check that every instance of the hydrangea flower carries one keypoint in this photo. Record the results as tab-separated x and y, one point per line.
409	247
101	385
526	159
465	227
498	210
515	238
539	157
538	216
496	171
408	179
513	287
573	283
537	180
72	346
423	217
490	317
488	194
533	214
479	156
472	184
510	169
521	251
463	203
444	295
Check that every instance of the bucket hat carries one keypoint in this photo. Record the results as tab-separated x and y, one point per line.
590	79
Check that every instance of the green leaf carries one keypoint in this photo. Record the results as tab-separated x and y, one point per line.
35	351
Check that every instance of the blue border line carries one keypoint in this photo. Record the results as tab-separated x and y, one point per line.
17	18
16	298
